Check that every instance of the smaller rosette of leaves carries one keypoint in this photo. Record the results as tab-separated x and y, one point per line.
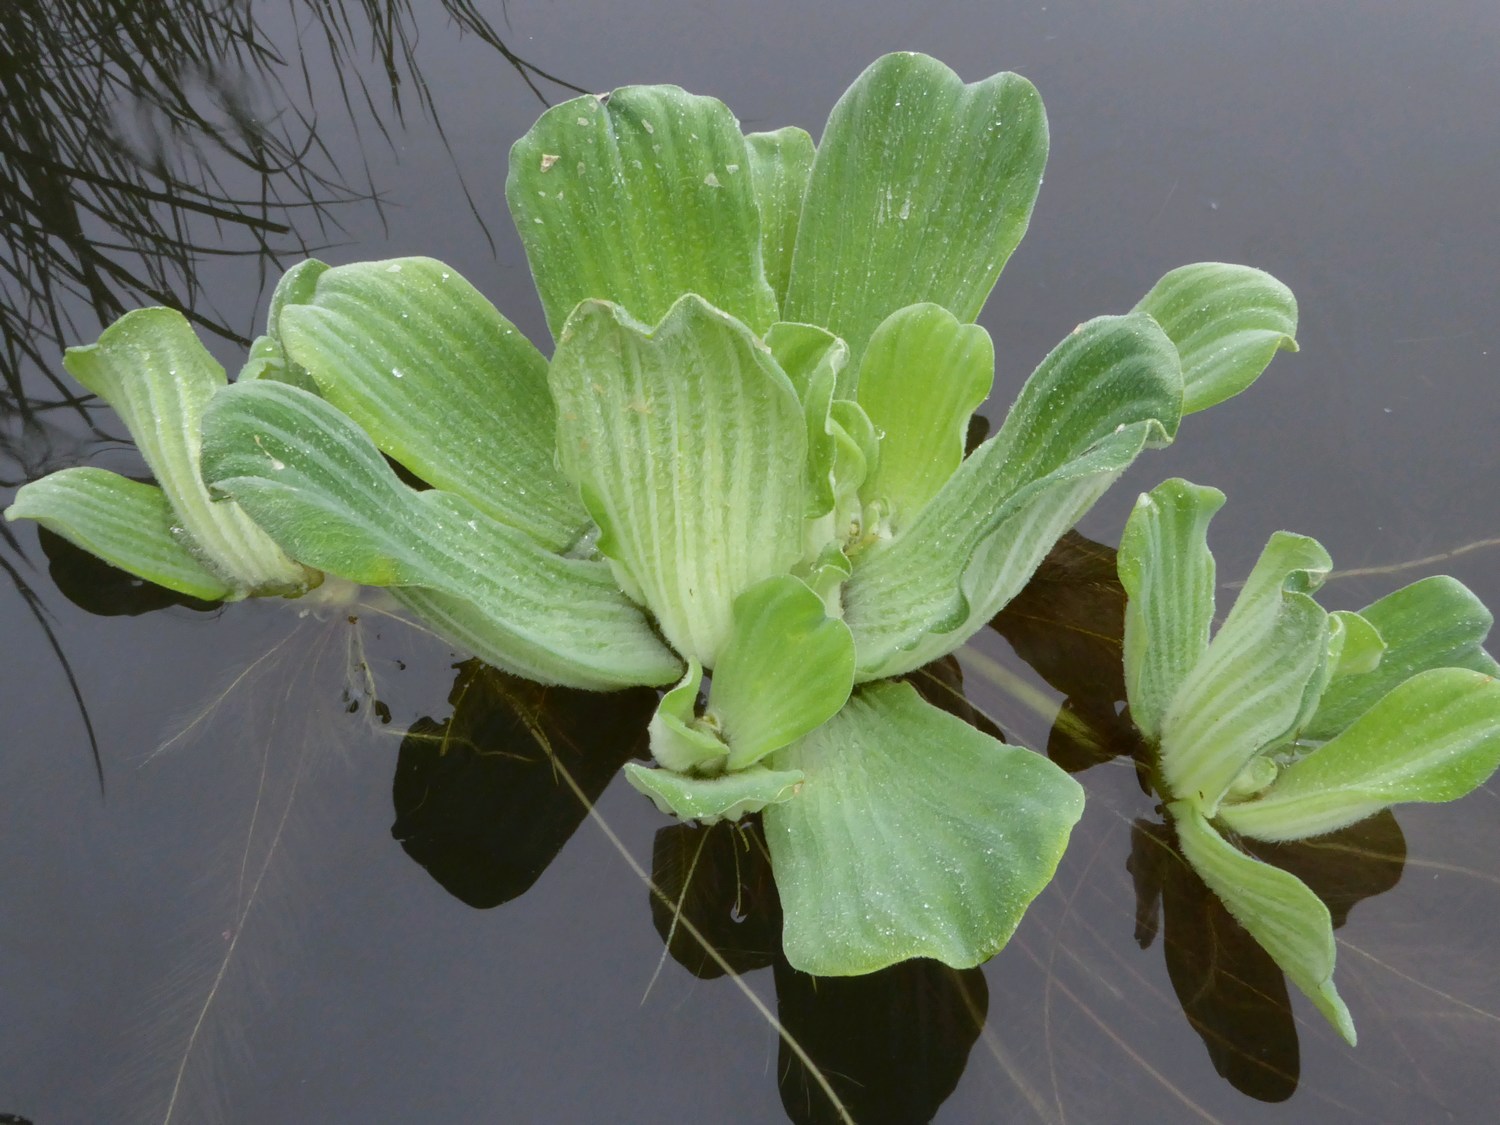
1290	721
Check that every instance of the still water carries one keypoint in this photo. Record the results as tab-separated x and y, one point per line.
263	901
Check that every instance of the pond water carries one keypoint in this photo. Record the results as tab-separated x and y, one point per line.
212	919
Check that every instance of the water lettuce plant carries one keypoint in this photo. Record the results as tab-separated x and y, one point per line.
1292	721
742	473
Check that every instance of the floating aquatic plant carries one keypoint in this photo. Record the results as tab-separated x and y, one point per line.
1292	721
745	461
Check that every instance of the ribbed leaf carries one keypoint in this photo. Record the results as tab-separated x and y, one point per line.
321	489
441	381
150	366
710	799
1434	623
1435	737
1168	574
126	523
688	444
1105	393
780	163
921	188
786	669
923	374
914	835
1290	922
638	198
1248	689
1350	644
1228	323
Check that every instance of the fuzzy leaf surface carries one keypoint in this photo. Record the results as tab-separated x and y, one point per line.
441	381
914	835
151	367
1248	689
1228	323
921	188
689	447
780	162
922	375
1280	911
1168	574
638	198
320	488
126	523
1433	623
710	799
786	669
1109	390
1435	737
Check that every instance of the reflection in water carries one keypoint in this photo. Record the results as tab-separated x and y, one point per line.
1231	991
138	141
718	878
481	800
1068	624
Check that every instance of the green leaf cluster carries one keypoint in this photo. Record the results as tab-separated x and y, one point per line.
741	475
1291	721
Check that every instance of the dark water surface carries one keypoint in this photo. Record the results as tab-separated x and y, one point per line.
230	932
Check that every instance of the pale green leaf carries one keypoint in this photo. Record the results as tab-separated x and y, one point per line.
679	740
922	375
320	488
126	523
268	360
856	455
638	198
1109	390
1248	689
1278	909
816	362
914	835
1435	737
1363	647
786	669
780	163
921	188
443	384
688	444
1434	623
150	366
1350	644
1227	321
711	799
1168	574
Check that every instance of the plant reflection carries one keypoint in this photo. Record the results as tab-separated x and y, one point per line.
1232	993
1068	624
138	141
485	799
